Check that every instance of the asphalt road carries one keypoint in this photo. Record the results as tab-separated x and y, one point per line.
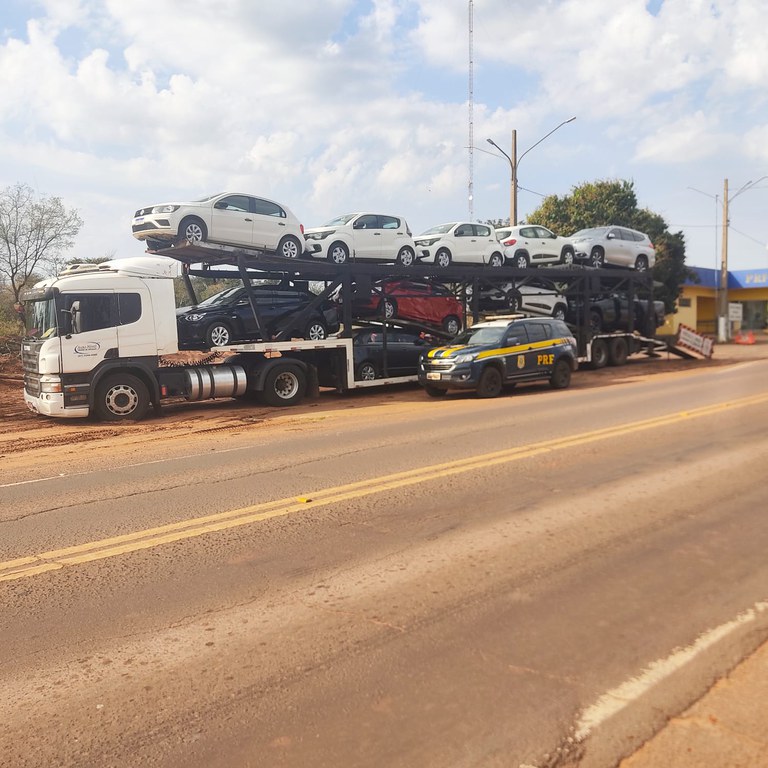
537	580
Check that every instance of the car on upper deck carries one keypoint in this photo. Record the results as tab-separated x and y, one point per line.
500	353
614	246
459	242
229	218
529	245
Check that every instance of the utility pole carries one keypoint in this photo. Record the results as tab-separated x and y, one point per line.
513	203
724	324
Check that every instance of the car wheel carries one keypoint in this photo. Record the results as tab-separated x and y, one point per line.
283	385
496	260
365	371
192	230
316	331
490	384
618	351
597	257
338	253
559	312
452	325
521	260
121	397
595	322
599	354
567	257
641	263
218	335
388	308
434	391
561	375
405	257
513	301
289	247
443	258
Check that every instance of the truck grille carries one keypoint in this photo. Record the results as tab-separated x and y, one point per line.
32	384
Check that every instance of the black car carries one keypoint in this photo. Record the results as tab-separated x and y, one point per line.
611	312
227	316
398	357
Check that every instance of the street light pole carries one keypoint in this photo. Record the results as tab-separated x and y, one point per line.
514	163
723	324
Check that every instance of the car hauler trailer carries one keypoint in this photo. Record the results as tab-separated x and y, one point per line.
100	336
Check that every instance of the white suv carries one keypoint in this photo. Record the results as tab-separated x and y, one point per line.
364	236
619	246
461	242
530	245
230	218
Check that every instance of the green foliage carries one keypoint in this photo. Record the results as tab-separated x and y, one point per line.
603	203
203	288
497	223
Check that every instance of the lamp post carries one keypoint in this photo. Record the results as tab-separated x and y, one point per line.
514	163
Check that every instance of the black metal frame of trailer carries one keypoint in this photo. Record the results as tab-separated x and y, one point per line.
574	282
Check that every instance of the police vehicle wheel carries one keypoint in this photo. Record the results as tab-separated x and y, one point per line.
490	383
561	375
284	385
434	391
121	397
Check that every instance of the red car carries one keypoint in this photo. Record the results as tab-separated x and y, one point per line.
418	301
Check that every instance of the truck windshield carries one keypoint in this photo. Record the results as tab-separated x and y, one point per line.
40	318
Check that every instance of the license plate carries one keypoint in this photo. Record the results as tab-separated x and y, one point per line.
432	376
138	220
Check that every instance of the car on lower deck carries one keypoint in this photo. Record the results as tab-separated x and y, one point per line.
531	295
381	352
611	312
227	316
229	218
500	353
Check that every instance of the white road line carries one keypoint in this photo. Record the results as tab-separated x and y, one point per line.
625	694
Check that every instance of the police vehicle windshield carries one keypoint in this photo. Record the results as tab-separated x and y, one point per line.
489	334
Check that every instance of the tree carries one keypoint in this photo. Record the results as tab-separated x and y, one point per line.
600	203
33	234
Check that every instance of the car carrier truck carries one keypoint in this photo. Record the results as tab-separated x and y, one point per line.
101	337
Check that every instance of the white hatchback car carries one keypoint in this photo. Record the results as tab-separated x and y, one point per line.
230	218
619	246
461	242
532	295
529	245
364	236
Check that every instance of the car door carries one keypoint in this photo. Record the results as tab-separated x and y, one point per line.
514	346
231	220
244	312
550	248
487	242
531	242
616	247
269	223
539	357
368	237
464	244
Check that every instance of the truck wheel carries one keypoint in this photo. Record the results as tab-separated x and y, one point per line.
365	371
289	247
121	396
618	351
434	391
452	325
561	375
443	258
316	331
193	230
338	253
405	257
284	385
218	335
599	354
490	384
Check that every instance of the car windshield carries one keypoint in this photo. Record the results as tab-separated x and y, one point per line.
224	297
481	335
440	229
592	232
339	221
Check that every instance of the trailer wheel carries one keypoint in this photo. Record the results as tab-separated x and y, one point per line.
491	383
193	230
366	371
338	253
218	335
405	257
121	397
435	391
284	385
452	325
289	247
443	258
316	331
561	375
599	354
618	351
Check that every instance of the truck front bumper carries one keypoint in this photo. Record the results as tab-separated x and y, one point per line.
52	404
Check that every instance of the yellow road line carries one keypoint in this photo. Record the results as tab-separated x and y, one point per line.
33	565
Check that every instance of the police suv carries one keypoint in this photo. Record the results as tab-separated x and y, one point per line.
499	353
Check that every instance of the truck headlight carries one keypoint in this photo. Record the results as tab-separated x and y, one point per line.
50	384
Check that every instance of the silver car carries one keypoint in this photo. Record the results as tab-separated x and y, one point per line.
619	246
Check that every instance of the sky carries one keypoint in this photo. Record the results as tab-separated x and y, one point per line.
350	105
